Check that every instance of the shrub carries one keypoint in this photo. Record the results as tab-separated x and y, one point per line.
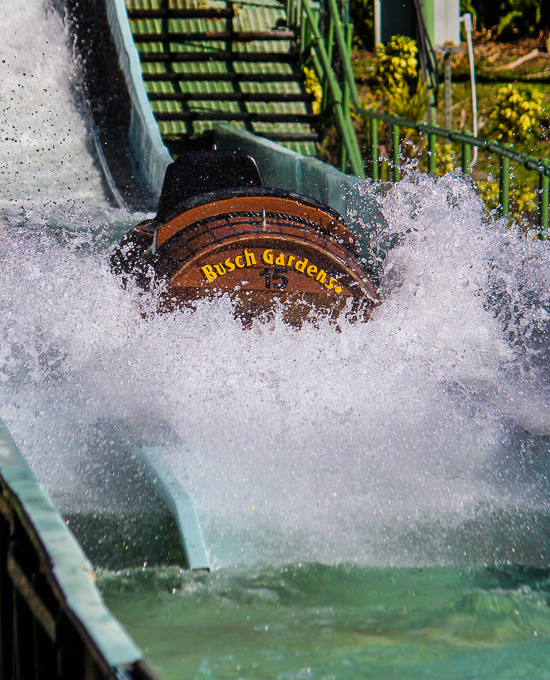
523	200
399	85
397	64
313	86
516	116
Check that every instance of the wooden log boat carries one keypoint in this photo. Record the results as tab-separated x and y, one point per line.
219	230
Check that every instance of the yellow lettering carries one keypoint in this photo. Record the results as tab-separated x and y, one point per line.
230	266
267	257
330	285
311	270
290	258
338	289
250	259
220	269
209	273
239	257
321	276
280	260
301	265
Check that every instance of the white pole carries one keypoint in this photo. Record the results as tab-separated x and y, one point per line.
467	19
377	22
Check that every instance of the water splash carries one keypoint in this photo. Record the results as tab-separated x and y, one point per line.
420	437
46	158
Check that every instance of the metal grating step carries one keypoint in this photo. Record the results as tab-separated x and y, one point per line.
212	60
290	137
229	96
241	116
289	57
225	77
179	13
235	37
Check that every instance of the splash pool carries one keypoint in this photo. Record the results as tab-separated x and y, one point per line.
329	464
318	621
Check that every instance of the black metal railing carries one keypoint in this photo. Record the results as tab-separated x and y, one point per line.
339	94
53	623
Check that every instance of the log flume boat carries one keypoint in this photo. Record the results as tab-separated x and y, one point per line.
220	230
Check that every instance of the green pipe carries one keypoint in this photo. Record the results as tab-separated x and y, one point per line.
346	103
345	11
343	156
466	148
326	103
544	182
349	38
431	152
395	152
504	185
347	133
306	38
322	52
326	87
375	163
317	68
344	52
330	38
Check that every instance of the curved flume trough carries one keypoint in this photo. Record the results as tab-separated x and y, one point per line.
393	475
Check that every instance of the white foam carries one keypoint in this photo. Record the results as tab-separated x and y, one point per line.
418	437
45	161
310	444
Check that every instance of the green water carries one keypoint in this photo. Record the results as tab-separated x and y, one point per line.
334	623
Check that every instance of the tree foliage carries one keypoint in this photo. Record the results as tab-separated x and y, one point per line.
509	18
362	16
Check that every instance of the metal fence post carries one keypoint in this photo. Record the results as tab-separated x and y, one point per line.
504	185
375	164
344	127
396	176
544	188
327	101
431	152
466	149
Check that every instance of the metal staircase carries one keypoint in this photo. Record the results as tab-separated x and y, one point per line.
218	60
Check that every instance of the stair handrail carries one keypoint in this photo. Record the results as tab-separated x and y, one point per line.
324	71
506	154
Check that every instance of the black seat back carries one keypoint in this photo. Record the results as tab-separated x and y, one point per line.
200	172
